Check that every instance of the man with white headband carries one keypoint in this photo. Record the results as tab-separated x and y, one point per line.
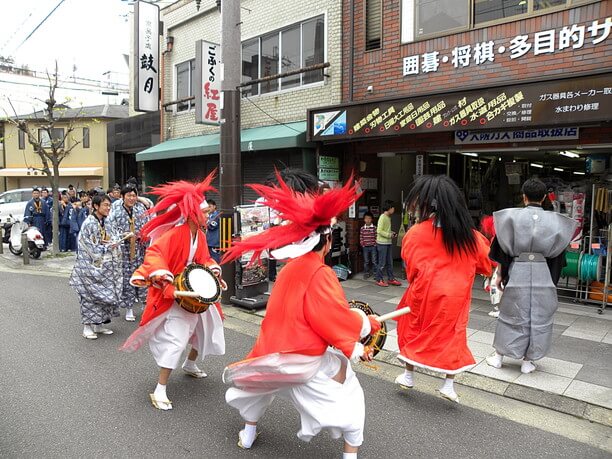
177	240
307	313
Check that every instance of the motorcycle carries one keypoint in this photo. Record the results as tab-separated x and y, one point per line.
36	242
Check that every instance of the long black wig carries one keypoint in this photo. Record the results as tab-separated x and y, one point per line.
439	197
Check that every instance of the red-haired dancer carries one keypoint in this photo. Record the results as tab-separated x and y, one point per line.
176	241
306	314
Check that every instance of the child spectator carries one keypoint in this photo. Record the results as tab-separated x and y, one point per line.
367	240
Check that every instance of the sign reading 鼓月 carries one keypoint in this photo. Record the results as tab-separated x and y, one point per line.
208	95
574	36
146	57
552	103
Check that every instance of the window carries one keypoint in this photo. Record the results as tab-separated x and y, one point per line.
85	137
185	84
21	139
250	66
373	24
269	62
425	18
57	135
433	17
313	46
297	46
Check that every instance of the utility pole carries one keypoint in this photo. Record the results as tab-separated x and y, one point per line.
230	172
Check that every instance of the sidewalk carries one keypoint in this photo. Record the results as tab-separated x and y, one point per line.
57	265
576	376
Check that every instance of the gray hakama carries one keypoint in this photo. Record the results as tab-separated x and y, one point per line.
530	245
97	276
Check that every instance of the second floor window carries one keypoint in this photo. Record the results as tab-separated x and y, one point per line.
57	134
85	137
185	84
21	139
297	46
373	24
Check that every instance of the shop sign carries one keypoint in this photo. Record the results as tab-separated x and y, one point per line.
329	174
208	89
419	165
521	135
549	103
369	183
550	41
330	162
146	57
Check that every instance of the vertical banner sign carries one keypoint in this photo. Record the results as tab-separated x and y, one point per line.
419	165
208	78
146	57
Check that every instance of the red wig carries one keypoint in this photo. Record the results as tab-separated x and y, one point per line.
302	214
487	226
178	200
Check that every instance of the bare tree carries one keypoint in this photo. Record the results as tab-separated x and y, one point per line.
51	150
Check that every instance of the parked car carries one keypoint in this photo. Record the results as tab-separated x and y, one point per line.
13	202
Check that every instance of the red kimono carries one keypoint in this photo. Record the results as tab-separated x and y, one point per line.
307	312
433	335
168	255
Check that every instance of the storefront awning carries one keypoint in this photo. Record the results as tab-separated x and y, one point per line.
290	135
64	172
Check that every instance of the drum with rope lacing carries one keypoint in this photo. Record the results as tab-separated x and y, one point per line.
376	341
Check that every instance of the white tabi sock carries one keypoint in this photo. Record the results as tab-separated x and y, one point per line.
160	392
527	367
248	435
409	377
448	385
190	365
129	312
349	455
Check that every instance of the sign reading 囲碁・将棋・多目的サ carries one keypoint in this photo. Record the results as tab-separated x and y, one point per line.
556	103
569	37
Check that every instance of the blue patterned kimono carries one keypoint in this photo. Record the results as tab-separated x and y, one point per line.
97	273
37	214
133	250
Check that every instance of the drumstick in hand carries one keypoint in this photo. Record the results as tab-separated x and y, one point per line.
393	314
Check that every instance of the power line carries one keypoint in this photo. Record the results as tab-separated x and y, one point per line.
40	23
271	117
63	87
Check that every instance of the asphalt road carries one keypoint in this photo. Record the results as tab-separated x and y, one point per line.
64	396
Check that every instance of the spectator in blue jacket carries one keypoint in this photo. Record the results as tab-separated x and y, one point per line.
66	211
37	214
212	231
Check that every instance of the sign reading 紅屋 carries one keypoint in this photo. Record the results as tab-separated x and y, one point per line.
208	94
519	135
550	41
146	57
568	102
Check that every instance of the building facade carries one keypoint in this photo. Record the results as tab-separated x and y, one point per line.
273	114
87	164
488	92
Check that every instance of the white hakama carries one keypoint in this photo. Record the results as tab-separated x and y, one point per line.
322	402
169	333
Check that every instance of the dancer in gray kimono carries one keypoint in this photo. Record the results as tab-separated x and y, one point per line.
127	217
96	276
530	247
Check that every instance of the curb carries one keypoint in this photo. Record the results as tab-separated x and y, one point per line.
555	402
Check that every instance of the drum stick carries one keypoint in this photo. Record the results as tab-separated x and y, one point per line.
393	314
187	294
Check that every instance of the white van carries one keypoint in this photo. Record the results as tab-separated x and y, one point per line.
13	203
